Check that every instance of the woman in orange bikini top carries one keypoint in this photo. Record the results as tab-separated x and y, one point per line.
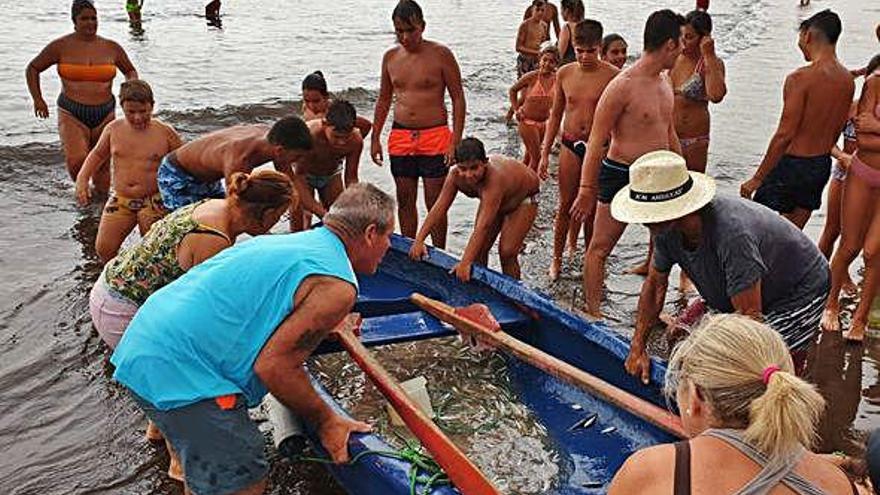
531	100
87	64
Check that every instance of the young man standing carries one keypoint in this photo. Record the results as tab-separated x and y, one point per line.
529	39
578	88
507	190
335	141
418	73
635	112
816	101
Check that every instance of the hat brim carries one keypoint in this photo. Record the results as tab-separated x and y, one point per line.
625	209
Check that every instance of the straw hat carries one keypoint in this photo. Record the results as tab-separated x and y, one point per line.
661	189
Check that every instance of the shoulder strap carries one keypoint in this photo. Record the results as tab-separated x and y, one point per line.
207	229
682	481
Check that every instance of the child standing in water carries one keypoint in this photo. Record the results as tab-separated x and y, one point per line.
316	100
531	100
135	145
529	38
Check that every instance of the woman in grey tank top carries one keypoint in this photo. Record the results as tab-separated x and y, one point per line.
750	420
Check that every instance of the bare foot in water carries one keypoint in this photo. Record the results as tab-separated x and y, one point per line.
830	319
153	434
856	333
641	269
555	266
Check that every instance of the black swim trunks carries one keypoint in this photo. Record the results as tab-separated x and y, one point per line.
578	147
795	182
429	167
613	176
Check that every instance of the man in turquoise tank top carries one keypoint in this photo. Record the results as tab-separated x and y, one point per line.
206	347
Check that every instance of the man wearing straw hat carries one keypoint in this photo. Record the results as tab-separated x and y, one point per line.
742	256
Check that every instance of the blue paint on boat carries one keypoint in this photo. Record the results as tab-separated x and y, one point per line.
589	457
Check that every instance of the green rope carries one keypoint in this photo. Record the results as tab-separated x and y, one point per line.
419	463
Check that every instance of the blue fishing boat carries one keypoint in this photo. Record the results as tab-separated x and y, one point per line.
589	457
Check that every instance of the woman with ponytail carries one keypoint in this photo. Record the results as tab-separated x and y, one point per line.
181	240
750	419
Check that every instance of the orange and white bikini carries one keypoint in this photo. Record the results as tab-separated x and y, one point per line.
90	115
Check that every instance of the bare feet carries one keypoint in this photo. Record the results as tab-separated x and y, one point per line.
555	266
175	470
856	333
153	434
595	314
830	319
641	269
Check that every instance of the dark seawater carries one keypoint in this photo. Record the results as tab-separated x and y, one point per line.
66	428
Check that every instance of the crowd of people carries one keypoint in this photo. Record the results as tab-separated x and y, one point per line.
634	142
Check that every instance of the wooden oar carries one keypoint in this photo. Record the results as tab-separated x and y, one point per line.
554	366
463	473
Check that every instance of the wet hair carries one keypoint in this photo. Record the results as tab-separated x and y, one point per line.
136	90
408	11
574	7
470	148
260	191
611	38
551	49
727	359
341	116
826	23
359	206
539	3
700	20
78	6
316	82
873	65
587	33
662	26
291	133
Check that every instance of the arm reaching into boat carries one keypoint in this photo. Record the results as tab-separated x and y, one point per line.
651	301
322	304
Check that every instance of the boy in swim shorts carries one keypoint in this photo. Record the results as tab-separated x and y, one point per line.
507	190
331	165
135	144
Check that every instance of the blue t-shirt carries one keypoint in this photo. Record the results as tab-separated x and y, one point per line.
198	337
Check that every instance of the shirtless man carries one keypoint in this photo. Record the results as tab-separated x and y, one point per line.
551	16
529	38
418	73
136	144
334	140
816	101
507	190
194	171
635	111
578	88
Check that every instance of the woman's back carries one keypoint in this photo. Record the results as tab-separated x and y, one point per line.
718	468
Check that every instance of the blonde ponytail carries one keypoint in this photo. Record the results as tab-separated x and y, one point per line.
727	358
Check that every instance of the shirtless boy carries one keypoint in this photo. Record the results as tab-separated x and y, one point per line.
529	38
551	17
136	144
578	88
635	111
334	140
195	171
418	73
507	190
816	101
